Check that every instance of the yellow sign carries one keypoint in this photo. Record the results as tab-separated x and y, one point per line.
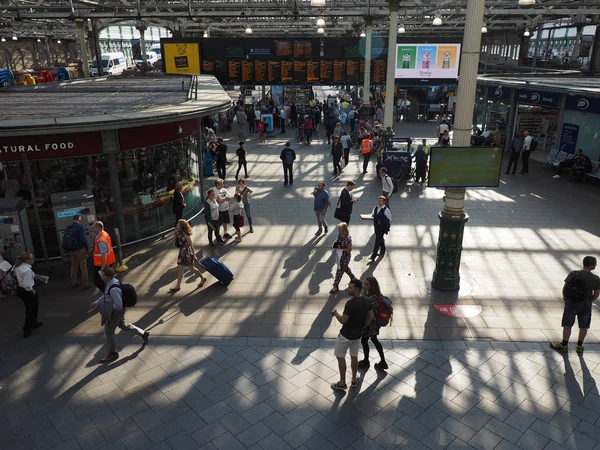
182	58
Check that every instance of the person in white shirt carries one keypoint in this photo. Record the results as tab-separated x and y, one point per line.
443	126
526	151
26	292
387	185
111	307
223	201
382	220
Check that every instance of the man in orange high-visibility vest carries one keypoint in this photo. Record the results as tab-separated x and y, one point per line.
366	150
103	253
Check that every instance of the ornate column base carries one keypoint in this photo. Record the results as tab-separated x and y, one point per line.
446	275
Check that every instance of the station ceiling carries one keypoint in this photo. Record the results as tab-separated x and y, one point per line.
275	18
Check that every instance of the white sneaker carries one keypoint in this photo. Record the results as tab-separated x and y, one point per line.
556	176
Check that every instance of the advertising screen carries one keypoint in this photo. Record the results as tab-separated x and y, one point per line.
465	167
182	58
427	60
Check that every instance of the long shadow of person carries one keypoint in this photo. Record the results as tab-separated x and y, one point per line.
300	257
321	272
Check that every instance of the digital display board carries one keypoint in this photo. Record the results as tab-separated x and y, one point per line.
465	167
352	72
260	72
427	61
248	72
299	72
378	71
234	72
283	49
326	72
339	72
287	72
274	72
302	50
208	67
235	51
312	72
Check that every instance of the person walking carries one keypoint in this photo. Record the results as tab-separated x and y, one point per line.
526	151
251	119
282	119
382	219
104	256
321	203
387	185
337	151
211	217
347	202
356	316
178	202
288	156
26	292
110	306
366	150
221	158
343	248
262	127
346	141
75	242
515	151
580	290
420	158
242	154
187	253
372	291
240	117
293	116
223	201
245	191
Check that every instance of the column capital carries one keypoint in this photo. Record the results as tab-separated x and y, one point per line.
141	27
394	5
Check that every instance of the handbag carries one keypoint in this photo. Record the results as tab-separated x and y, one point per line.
338	214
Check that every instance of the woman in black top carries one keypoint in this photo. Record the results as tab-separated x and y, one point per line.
337	151
372	291
241	154
178	202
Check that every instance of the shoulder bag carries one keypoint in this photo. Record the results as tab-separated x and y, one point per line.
337	214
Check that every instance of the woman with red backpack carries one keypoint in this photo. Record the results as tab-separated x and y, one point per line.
382	310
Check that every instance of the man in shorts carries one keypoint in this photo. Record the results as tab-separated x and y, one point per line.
223	201
357	315
585	284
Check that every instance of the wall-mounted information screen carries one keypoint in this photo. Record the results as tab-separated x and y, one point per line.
465	167
427	61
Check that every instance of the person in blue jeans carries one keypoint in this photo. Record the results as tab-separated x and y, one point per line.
322	202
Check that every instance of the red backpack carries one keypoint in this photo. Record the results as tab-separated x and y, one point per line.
384	311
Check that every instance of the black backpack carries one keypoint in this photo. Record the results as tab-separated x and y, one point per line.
128	294
533	144
575	289
69	239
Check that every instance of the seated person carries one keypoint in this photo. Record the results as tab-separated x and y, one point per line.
578	166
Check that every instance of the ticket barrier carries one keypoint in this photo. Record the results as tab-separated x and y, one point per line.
65	205
15	236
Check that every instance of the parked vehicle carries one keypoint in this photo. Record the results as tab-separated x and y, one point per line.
156	49
151	58
112	64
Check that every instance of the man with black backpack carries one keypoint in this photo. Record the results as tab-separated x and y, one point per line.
581	288
288	156
112	306
75	242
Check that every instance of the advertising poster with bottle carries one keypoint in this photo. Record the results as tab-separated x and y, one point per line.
406	57
422	61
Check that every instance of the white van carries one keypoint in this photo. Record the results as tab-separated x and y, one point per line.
151	58
112	64
156	49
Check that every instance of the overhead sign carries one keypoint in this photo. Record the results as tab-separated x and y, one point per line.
53	146
498	92
465	166
459	310
181	58
424	61
131	138
583	104
568	137
539	98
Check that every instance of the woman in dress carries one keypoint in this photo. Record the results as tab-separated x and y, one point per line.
373	293
343	247
445	140
187	253
245	191
211	217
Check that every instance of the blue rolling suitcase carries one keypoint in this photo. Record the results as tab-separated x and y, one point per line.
218	270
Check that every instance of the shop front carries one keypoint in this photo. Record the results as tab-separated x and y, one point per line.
492	111
538	112
580	126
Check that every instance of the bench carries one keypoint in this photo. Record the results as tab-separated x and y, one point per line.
562	156
551	157
595	172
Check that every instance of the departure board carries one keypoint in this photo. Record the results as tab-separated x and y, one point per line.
352	72
362	72
260	72
248	72
235	51
325	72
312	72
339	72
283	49
287	72
208	67
235	72
274	72
299	72
302	50
378	71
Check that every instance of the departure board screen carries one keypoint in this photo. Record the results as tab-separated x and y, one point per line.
325	72
222	71
274	72
378	72
312	72
248	72
208	67
235	51
260	72
235	72
287	72
283	49
352	72
302	50
299	72
339	72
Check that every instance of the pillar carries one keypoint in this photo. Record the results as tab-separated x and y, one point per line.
446	275
512	121
81	42
95	39
367	85
577	45
142	29
536	47
390	79
110	147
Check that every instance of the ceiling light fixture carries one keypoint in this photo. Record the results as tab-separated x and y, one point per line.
321	22
317	3
437	21
483	28
39	40
526	34
248	30
14	38
3	39
58	42
526	2
320	30
401	29
363	34
205	34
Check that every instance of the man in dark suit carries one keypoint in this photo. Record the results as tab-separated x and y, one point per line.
178	202
347	201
